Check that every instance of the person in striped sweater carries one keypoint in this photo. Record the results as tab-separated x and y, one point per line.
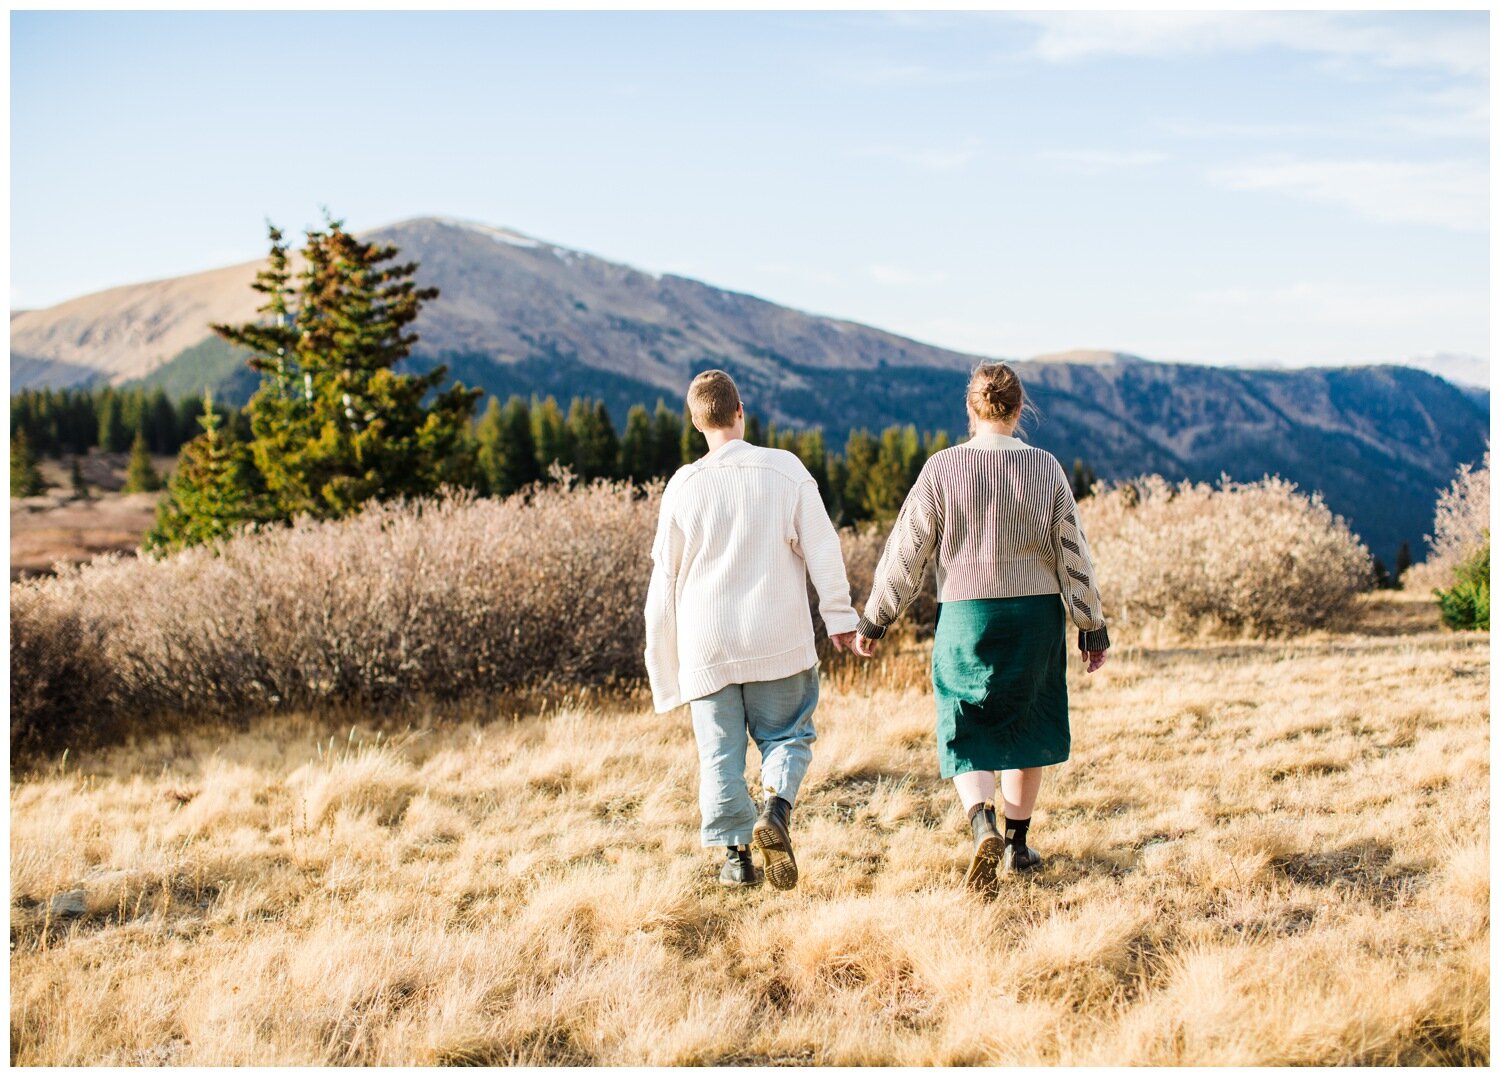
729	631
998	519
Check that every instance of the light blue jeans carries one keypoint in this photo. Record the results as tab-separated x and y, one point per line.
778	716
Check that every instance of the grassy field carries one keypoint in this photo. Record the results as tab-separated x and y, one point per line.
1259	853
59	527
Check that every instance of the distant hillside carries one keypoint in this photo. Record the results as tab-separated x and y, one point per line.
518	315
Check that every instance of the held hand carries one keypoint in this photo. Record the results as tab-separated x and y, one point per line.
1093	659
843	641
864	646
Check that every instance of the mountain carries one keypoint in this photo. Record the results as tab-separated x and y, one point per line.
519	315
1465	371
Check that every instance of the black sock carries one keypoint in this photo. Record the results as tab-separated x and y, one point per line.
1015	831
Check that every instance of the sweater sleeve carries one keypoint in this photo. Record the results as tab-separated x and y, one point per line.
662	662
1075	570
818	543
898	576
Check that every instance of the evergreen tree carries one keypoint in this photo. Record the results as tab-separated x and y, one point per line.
666	437
214	490
595	446
638	446
753	430
860	453
1403	562
140	476
25	477
80	485
886	482
507	451
693	444
814	456
1083	480
838	481
160	423
1382	576
549	430
113	437
333	424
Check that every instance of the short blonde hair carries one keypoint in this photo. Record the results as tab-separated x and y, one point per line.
995	392
713	400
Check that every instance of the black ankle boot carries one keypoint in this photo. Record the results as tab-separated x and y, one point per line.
1018	855
988	848
773	837
739	869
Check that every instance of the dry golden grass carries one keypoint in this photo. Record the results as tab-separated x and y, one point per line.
1259	853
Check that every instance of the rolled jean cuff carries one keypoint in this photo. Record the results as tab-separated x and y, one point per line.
869	629
726	837
1093	639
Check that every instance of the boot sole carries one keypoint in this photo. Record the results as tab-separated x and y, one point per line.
983	868
781	865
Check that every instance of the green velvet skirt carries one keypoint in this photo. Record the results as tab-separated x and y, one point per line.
999	674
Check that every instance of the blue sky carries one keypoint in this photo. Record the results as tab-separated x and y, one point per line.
1293	187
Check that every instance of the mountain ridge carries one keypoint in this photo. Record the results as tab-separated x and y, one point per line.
518	314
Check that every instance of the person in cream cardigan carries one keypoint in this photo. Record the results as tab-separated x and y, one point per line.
729	631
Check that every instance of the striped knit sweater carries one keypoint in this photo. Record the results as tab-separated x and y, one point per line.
740	532
998	517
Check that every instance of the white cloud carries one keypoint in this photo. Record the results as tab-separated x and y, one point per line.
1193	128
1330	303
799	273
1396	40
930	159
1448	194
884	273
1096	161
897	74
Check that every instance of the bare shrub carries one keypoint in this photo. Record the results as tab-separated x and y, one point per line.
1258	557
58	672
1460	528
438	598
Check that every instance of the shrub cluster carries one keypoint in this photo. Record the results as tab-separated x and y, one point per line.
1258	557
1466	605
438	597
1460	527
457	595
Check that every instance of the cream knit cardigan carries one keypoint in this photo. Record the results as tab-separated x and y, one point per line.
740	532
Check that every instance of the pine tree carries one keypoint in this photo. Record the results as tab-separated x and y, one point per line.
507	451
160	423
334	426
549	430
814	456
595	446
79	483
1083	480
838	481
693	444
887	479
860	453
666	436
637	446
214	490
140	476
25	477
113	437
753	430
1403	562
